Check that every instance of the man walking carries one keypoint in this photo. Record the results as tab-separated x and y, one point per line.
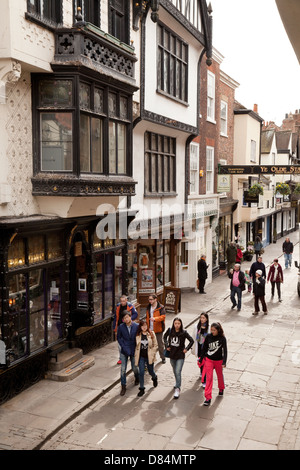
231	253
121	309
155	317
202	273
276	277
126	335
259	293
237	285
288	248
255	266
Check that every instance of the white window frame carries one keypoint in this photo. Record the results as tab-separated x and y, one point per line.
211	96
210	162
194	168
253	151
224	118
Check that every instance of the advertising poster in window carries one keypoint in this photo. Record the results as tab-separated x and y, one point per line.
147	280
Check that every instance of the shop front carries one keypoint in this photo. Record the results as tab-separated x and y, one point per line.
151	267
59	286
225	229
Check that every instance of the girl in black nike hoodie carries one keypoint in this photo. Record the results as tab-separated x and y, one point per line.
214	353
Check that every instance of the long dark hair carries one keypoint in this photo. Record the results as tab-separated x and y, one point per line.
139	330
206	325
173	327
219	328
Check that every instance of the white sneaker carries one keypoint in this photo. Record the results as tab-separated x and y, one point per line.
203	385
177	393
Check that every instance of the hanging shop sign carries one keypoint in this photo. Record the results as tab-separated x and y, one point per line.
259	169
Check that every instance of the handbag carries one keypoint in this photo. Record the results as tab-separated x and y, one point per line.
166	353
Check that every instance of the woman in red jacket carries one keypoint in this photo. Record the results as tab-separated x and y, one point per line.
275	275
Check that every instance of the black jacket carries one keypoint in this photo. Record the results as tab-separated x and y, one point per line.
259	285
287	247
176	341
254	267
241	279
215	348
202	269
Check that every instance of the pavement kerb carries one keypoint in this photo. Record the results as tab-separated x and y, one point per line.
90	402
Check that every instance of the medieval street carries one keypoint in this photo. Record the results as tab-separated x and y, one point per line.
259	410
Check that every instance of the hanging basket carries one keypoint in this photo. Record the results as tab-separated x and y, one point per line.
283	188
256	190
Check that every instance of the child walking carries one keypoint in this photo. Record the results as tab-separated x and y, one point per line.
174	339
145	352
200	333
214	353
248	280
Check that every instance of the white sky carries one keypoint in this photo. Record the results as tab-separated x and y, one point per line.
258	55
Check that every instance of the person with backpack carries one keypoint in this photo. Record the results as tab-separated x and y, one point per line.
155	318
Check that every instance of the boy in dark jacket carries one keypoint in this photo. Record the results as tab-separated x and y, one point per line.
126	335
259	293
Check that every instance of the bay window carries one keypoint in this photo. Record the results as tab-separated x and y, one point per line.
84	131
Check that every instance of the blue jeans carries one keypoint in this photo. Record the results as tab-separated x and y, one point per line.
124	360
142	362
177	365
238	291
288	259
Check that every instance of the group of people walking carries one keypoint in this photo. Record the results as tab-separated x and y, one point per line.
139	343
256	278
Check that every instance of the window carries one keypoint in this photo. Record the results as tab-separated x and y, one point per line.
118	16
75	132
34	294
209	170
46	10
160	161
172	64
90	11
210	96
224	108
194	168
253	151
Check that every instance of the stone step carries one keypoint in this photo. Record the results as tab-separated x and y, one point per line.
72	371
65	358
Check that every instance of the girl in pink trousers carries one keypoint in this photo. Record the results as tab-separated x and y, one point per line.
214	354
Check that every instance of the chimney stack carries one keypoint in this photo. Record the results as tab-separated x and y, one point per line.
255	108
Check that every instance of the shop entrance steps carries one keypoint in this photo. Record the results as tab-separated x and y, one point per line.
68	364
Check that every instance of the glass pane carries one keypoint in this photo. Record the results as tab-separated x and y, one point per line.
166	174
98	101
36	249
17	315
112	147
97	138
85	143
132	271
123	107
54	304
172	175
56	141
55	245
112	104
84	96
153	173
56	93
159	266
16	253
121	149
98	267
118	276
167	260
108	284
36	310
